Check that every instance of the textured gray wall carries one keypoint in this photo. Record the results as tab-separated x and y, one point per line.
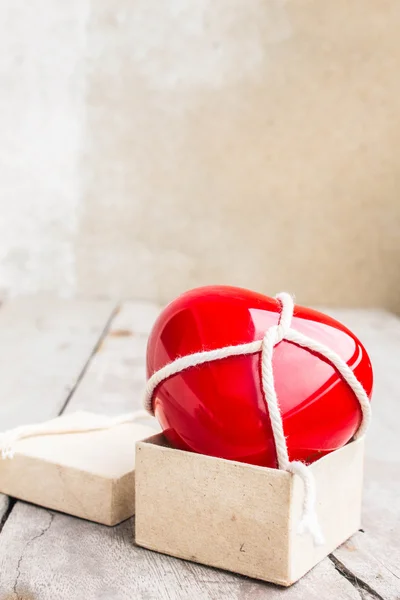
148	147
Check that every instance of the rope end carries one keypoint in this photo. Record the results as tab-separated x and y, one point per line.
7	445
309	524
7	452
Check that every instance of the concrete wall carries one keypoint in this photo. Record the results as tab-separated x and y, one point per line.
148	147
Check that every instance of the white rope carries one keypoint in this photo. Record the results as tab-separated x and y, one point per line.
79	422
272	337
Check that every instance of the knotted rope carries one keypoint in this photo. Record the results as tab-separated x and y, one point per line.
273	336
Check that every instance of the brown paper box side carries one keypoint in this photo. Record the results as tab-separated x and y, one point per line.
240	517
89	475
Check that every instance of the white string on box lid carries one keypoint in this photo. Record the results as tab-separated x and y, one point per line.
273	336
77	422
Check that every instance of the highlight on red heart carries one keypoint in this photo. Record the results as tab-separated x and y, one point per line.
218	408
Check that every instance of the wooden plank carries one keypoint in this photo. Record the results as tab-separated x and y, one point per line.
373	556
4	504
115	379
91	561
44	345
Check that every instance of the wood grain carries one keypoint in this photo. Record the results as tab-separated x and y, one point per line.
115	378
44	346
55	557
46	555
373	556
4	504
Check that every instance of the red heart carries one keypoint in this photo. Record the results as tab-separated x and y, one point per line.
218	408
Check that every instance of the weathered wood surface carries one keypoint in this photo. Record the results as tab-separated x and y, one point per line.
54	557
114	380
4	504
46	555
374	556
44	347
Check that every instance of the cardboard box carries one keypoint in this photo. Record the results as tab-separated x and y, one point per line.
89	475
240	517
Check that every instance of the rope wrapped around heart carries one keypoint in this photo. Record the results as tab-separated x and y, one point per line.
273	336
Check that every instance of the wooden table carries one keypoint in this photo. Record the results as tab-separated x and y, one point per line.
58	356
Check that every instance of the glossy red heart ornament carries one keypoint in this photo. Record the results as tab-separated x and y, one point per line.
218	408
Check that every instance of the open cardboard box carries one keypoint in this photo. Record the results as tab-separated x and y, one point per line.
241	517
